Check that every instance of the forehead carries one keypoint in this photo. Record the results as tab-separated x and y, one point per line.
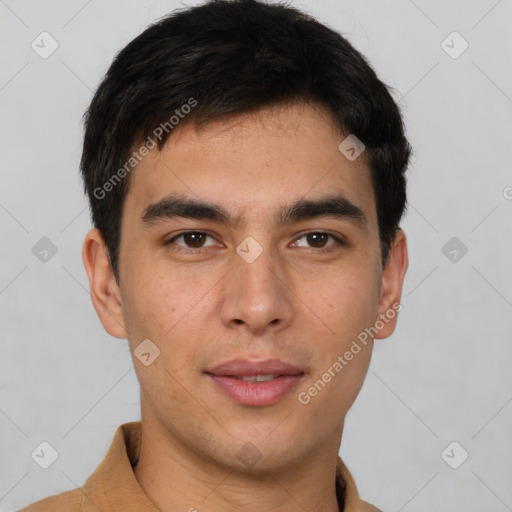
253	164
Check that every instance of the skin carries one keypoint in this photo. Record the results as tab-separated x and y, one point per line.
293	302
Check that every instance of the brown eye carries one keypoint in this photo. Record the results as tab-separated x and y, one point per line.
191	239
194	239
318	239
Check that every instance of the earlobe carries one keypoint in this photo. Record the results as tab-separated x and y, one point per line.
392	280
105	294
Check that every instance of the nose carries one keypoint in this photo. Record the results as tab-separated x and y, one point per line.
257	296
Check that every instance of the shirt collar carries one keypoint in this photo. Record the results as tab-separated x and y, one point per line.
113	485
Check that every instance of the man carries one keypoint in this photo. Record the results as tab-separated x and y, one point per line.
245	170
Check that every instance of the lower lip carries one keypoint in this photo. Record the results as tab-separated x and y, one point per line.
257	394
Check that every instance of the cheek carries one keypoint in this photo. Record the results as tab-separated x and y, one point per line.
148	305
350	303
163	308
154	311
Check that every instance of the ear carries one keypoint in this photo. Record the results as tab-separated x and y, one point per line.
391	290
105	293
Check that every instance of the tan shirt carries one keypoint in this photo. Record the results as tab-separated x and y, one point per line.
113	486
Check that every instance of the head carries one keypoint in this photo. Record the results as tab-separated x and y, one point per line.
231	121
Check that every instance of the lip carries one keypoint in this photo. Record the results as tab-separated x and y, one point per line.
226	377
247	367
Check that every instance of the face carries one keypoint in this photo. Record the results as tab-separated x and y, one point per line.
276	273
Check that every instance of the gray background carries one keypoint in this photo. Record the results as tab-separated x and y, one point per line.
443	376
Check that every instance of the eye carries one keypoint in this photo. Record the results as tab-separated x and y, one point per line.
193	240
318	239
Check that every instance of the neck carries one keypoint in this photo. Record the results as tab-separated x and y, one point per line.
174	478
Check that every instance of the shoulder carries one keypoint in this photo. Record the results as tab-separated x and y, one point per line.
68	501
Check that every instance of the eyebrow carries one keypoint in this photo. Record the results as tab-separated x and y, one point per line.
176	206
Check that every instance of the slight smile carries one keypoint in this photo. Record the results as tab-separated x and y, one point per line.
255	383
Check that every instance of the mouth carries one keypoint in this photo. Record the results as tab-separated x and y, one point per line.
257	378
255	383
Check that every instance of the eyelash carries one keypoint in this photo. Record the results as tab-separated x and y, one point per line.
338	240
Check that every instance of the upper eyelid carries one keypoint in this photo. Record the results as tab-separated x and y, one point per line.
174	237
338	238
